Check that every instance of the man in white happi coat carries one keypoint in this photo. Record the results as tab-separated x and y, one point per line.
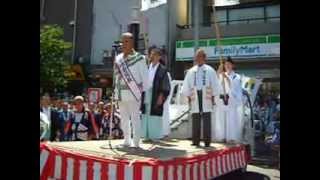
131	79
200	86
228	122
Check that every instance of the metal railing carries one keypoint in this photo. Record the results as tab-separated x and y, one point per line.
247	20
180	117
228	10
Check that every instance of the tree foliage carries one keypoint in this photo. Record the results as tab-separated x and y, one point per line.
53	60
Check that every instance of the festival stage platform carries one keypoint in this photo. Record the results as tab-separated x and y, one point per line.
172	159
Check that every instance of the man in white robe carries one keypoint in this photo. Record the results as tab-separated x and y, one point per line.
44	127
228	120
201	85
136	71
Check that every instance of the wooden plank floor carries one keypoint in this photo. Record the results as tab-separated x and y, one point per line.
163	150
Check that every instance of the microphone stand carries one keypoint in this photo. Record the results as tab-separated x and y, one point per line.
109	145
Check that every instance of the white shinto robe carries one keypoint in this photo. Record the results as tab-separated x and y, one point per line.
228	120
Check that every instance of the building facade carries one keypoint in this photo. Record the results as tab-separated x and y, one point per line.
64	13
250	34
75	17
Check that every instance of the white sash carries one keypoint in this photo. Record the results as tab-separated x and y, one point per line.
129	80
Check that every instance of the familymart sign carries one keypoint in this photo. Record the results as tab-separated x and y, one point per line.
239	47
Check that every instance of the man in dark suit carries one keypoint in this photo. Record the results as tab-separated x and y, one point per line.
65	116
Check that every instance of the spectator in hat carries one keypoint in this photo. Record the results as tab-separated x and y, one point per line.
82	125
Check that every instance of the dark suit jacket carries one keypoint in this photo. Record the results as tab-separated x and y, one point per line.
161	85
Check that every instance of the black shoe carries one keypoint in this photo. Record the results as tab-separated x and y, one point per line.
147	141
165	138
194	144
135	147
207	143
121	146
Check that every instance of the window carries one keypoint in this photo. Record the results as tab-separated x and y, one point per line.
206	13
273	13
221	17
247	15
182	12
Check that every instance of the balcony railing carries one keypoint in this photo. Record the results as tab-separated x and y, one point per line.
228	22
242	14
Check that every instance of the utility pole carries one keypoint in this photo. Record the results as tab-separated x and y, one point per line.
43	5
134	26
74	38
196	23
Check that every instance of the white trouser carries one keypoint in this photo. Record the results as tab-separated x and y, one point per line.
166	119
228	125
233	124
220	124
130	110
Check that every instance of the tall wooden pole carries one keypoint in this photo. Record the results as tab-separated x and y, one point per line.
218	45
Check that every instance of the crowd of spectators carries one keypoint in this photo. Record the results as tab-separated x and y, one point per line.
66	113
267	110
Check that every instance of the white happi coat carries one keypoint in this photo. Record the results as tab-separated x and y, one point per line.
166	113
228	120
211	87
128	105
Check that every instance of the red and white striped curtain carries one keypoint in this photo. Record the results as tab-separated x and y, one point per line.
63	164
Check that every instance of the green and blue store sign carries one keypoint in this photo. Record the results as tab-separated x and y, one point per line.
236	47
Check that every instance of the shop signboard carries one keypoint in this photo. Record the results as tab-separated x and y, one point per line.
94	94
238	47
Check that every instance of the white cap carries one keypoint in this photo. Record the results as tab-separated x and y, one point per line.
80	98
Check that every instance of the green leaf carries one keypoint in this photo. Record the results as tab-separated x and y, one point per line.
53	61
